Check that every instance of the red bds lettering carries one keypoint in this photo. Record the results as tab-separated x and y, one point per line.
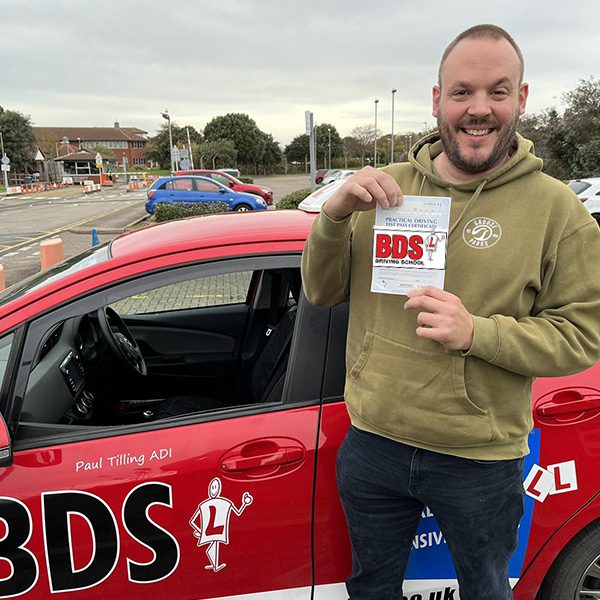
210	528
400	247
416	247
383	248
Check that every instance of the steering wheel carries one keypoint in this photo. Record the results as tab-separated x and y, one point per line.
120	341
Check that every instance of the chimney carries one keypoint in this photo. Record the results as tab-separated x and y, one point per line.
117	125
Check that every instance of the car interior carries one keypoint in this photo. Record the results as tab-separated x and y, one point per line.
202	344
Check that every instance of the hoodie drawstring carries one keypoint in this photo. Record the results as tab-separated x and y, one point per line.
422	185
464	210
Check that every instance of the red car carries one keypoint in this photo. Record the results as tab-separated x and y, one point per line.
171	411
230	181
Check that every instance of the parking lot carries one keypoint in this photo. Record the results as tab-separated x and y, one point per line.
23	261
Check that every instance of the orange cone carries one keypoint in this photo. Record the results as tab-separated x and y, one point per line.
51	252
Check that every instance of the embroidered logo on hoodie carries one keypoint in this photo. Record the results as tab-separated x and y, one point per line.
482	232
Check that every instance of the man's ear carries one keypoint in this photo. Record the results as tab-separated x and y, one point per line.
436	100
523	94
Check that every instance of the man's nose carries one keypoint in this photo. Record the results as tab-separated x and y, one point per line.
479	105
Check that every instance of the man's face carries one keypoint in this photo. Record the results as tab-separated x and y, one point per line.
479	103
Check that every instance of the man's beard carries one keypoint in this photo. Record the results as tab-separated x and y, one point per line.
506	137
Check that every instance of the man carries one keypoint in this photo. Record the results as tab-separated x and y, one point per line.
438	385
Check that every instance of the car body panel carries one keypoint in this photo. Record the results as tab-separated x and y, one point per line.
133	489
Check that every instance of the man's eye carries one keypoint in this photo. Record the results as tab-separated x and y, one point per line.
499	92
459	93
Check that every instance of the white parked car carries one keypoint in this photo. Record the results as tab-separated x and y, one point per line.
336	175
588	191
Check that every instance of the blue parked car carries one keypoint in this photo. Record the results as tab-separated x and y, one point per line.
194	189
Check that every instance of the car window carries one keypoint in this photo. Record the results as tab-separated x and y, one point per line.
213	290
579	186
206	186
217	342
5	346
221	179
180	184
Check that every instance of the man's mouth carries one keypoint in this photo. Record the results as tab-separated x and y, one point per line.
477	132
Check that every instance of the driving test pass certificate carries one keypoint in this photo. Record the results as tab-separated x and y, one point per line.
410	243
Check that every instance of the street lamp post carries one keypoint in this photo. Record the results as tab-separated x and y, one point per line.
329	135
167	116
425	127
375	149
392	136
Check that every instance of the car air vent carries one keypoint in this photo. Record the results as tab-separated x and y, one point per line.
51	340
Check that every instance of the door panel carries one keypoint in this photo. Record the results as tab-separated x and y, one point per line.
147	502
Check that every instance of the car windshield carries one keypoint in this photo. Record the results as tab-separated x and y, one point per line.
579	186
93	256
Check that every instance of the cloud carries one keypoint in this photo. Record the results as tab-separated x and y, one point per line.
85	64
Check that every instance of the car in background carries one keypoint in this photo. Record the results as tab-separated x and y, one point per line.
228	180
171	410
192	189
588	191
337	174
320	175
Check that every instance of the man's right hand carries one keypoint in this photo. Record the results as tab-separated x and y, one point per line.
363	191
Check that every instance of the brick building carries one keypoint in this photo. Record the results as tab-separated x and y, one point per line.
127	143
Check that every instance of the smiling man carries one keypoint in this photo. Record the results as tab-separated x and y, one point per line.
438	384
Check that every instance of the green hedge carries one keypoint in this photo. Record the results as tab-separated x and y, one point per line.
245	179
177	210
292	200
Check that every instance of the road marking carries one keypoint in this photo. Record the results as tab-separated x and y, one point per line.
67	227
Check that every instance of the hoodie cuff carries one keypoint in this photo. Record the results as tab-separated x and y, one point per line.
486	339
331	230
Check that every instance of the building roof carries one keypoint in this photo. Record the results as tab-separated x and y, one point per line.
92	134
83	155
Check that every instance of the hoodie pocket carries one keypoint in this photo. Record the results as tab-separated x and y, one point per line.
415	394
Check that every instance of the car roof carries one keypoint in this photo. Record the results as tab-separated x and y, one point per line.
211	231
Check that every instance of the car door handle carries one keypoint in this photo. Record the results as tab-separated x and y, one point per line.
283	456
569	402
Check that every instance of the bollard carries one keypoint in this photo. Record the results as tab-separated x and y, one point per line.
2	280
51	252
95	240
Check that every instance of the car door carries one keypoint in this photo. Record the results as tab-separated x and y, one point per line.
200	505
181	189
210	192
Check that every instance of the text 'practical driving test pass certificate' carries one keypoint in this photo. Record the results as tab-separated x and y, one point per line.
410	243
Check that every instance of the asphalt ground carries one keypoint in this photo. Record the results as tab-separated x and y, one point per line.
76	239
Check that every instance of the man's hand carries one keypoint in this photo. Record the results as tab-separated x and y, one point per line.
361	192
443	318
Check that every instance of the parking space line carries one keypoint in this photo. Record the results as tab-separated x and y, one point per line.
66	227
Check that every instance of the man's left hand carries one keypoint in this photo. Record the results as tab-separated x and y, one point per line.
443	318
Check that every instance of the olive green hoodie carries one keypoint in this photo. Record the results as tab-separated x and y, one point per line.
524	258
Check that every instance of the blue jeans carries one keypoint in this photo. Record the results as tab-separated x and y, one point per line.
384	486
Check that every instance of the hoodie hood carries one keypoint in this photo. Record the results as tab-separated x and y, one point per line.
521	162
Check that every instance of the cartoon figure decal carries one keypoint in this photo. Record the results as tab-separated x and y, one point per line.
213	526
431	243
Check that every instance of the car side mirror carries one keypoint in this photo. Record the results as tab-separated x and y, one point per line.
231	184
222	190
6	455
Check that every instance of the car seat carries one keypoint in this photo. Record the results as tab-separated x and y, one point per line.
266	379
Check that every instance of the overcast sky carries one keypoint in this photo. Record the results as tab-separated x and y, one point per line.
76	63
